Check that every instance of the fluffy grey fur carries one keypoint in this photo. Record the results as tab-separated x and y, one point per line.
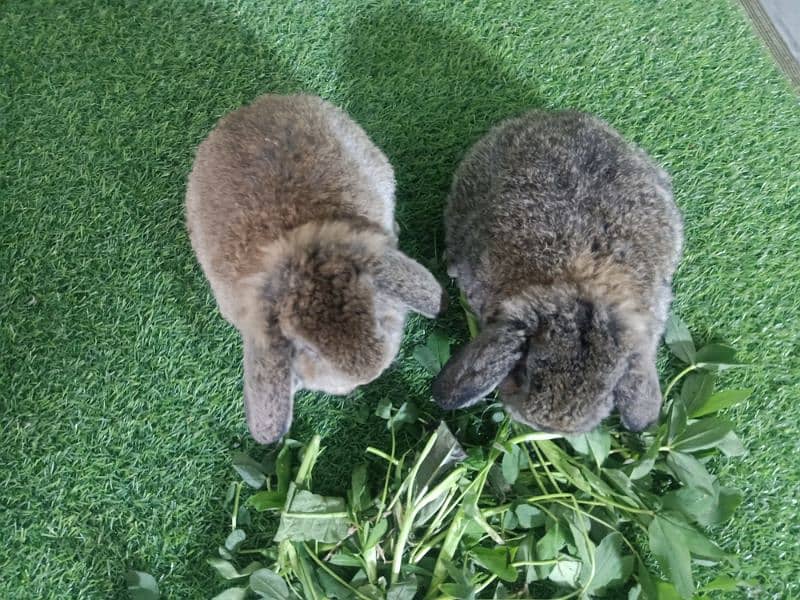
564	238
290	211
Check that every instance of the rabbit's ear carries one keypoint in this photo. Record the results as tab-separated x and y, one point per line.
412	284
637	394
480	366
267	388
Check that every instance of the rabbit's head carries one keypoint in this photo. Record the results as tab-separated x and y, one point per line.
334	307
554	355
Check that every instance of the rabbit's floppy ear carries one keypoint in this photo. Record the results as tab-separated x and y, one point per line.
480	366
637	395
267	388
399	276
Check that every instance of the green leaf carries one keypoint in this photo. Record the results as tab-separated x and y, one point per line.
672	540
666	591
359	496
529	517
697	543
311	517
679	339
142	586
672	554
642	468
341	559
596	443
224	568
717	356
690	471
376	534
696	389
384	409
612	568
235	539
496	561
511	464
703	434
548	546
234	593
243	516
403	590
719	401
472	321
435	353
334	589
731	445
425	357
566	572
509	520
371	591
268	584
249	470
722	583
445	453
407	413
707	509
562	462
677	419
584	545
283	468
646	580
267	500
648	459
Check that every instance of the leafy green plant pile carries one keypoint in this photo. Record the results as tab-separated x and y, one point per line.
498	510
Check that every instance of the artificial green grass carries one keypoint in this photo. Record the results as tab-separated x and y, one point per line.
121	401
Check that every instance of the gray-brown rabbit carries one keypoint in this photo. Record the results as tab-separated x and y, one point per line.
564	238
290	210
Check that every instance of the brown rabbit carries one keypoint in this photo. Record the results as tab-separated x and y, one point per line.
290	210
564	238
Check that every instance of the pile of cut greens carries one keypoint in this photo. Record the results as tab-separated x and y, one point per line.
514	514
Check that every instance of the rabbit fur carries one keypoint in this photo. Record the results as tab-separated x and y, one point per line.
564	238
290	211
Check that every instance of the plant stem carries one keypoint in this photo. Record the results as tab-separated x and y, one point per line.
534	436
411	514
485	584
535	447
235	516
310	456
678	377
392	460
383	455
330	572
458	525
498	510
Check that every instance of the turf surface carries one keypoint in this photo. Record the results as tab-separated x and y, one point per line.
119	389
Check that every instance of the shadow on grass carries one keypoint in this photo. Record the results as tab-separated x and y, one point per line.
424	91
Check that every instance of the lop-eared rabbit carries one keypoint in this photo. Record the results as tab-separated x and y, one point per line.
564	238
290	211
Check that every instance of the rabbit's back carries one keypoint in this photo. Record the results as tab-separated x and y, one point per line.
275	165
548	193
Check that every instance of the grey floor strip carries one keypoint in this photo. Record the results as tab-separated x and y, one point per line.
778	23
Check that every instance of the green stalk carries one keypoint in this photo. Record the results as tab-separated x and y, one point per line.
408	518
235	516
678	377
458	524
310	456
